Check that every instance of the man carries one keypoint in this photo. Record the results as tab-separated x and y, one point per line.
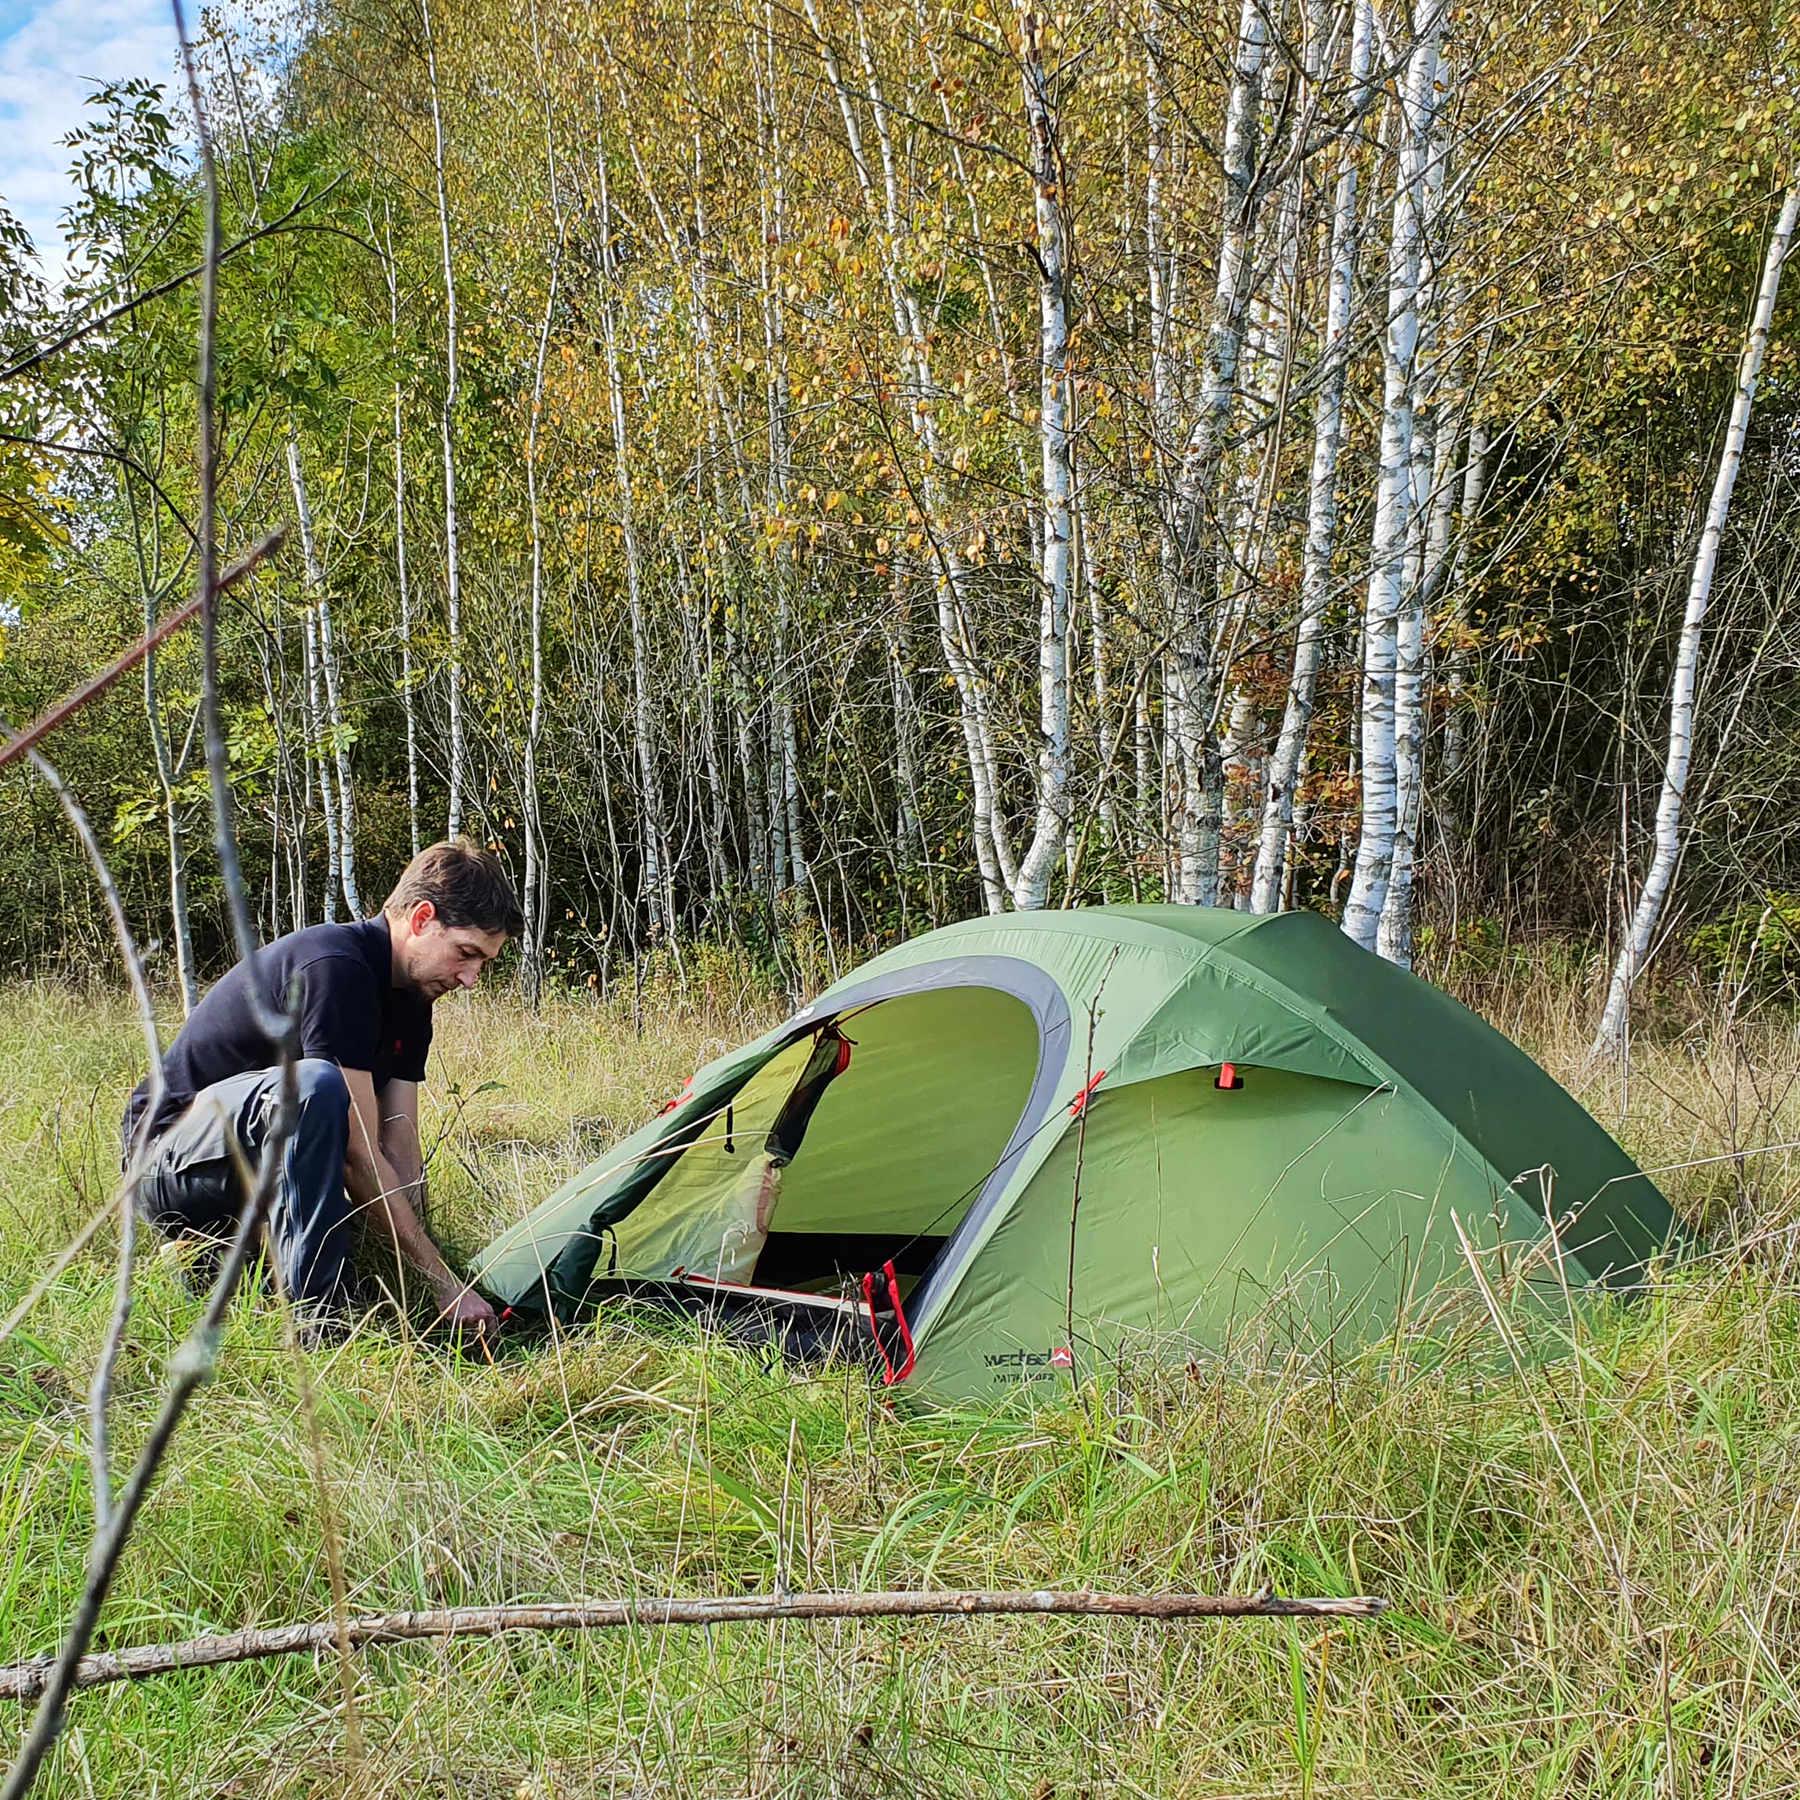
363	993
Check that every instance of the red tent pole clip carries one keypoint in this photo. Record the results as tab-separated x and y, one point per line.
1078	1105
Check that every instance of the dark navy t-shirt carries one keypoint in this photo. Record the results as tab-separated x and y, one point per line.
350	1012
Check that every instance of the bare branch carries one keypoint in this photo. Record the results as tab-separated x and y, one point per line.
70	704
23	1681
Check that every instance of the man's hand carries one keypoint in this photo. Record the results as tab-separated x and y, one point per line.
464	1310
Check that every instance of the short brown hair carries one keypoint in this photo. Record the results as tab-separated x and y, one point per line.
464	882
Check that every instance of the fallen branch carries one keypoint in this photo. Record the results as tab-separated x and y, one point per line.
24	1681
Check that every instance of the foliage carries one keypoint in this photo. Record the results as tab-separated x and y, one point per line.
755	684
1755	945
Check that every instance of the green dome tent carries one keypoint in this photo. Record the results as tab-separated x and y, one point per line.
1156	1120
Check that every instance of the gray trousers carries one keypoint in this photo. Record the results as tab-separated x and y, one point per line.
191	1183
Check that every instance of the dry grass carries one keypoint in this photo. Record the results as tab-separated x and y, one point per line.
1592	1558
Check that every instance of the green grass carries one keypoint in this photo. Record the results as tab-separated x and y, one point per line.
1591	1559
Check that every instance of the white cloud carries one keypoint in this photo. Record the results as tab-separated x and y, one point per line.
52	54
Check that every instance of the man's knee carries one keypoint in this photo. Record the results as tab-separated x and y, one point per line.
320	1085
322	1117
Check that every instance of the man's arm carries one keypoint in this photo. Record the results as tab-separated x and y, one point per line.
388	1192
398	1138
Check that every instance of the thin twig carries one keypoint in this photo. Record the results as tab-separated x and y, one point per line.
1089	1082
21	1681
100	1389
126	661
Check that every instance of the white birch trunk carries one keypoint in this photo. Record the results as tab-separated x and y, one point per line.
657	876
1394	495
1430	487
1435	501
1196	492
1321	502
1640	937
166	771
315	758
340	739
1031	888
402	574
1160	761
447	427
531	950
1474	491
785	801
332	715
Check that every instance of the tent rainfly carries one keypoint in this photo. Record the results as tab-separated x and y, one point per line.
1025	1145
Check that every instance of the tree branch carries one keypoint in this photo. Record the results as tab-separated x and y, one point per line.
47	722
44	352
24	1681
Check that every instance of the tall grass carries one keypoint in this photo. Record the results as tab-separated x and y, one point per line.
1591	1556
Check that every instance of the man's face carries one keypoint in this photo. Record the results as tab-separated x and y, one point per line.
440	957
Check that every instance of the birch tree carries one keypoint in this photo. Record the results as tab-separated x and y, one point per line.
1640	936
1193	506
330	732
1426	535
402	576
447	433
1316	583
1032	886
999	870
1394	488
658	887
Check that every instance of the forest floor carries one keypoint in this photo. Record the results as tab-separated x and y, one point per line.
1592	1558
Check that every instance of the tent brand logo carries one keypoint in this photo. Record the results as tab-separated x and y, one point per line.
1031	1365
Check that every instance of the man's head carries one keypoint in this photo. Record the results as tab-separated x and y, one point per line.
449	915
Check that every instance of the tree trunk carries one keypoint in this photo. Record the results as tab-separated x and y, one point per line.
1640	937
1031	888
401	573
1321	501
447	427
316	760
657	879
1394	493
531	947
992	841
1427	535
1474	491
1190	556
166	770
343	842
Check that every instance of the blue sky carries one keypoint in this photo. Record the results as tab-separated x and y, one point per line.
52	52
